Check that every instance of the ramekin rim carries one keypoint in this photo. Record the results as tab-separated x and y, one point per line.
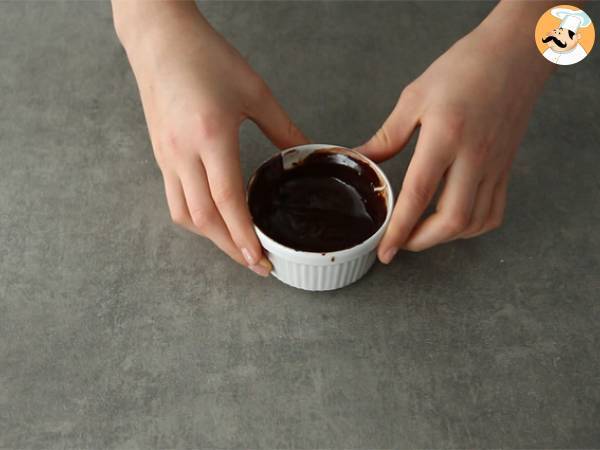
341	255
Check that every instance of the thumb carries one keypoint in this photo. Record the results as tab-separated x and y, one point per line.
393	134
274	122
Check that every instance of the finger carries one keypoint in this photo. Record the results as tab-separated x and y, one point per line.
176	201
395	131
275	123
427	167
481	210
454	209
204	217
224	174
496	214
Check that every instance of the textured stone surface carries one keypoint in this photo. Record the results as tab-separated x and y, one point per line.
119	331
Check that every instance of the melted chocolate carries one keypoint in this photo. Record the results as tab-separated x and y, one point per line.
325	203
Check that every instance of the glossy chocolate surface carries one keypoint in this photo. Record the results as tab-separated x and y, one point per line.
326	202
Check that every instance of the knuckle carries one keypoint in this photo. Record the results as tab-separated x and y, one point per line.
472	229
161	160
409	94
178	217
456	222
382	138
419	193
476	227
258	88
494	223
413	247
202	219
479	155
207	126
454	125
223	195
294	132
169	146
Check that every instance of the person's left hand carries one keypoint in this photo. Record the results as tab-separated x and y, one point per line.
472	104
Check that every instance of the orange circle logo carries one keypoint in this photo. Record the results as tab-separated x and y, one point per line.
565	35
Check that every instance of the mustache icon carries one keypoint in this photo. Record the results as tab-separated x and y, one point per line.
556	41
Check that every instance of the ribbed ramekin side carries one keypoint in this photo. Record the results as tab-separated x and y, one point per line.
321	277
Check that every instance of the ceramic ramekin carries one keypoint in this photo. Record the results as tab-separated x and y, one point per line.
330	270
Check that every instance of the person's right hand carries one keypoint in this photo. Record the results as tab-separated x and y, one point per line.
196	90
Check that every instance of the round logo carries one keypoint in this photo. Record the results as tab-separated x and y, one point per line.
564	35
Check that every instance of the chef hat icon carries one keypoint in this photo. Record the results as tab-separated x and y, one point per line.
571	19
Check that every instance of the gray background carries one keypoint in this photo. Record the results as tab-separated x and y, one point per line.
118	330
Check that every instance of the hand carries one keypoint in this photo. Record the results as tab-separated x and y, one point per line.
473	105
196	90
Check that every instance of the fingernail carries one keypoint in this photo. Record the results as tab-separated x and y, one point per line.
250	259
389	255
260	270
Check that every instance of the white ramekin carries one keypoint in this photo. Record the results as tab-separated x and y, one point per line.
324	271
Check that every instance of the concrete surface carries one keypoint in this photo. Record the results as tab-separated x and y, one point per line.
119	331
